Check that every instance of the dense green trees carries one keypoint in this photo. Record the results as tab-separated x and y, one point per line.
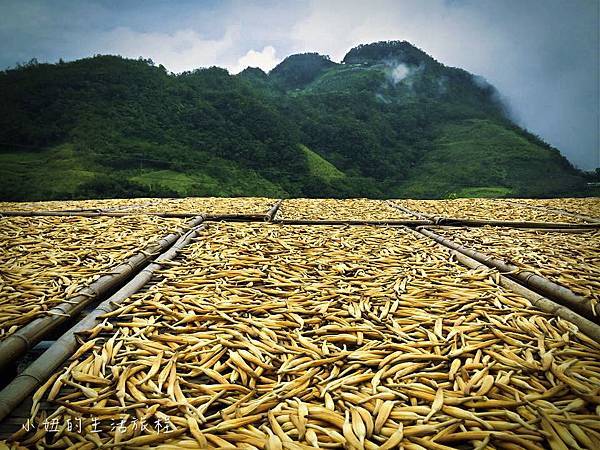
133	129
297	71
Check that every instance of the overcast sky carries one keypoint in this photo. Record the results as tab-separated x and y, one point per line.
543	55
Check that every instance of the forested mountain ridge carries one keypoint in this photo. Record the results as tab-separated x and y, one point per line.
389	121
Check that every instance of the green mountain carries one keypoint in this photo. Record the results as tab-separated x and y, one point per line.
389	121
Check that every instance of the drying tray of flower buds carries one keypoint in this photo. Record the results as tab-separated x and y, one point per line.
589	206
189	205
47	260
77	205
570	259
345	209
487	209
212	205
265	336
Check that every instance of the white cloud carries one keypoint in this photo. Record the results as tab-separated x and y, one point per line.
541	54
266	60
399	73
186	49
543	61
178	52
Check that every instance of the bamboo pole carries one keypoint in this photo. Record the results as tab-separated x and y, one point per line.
418	215
451	221
585	325
25	338
78	210
234	217
273	211
391	222
557	211
41	369
106	213
540	284
99	213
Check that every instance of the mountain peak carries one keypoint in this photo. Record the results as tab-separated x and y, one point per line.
298	70
386	51
253	72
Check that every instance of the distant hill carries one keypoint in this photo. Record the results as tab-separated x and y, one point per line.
297	71
389	121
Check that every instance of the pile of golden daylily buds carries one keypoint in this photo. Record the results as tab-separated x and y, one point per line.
589	206
569	259
200	205
485	209
270	336
346	209
46	260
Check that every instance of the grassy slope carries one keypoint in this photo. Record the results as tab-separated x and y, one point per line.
465	151
498	158
60	172
345	79
320	167
45	174
232	182
176	181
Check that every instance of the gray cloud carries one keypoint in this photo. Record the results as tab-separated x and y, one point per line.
542	55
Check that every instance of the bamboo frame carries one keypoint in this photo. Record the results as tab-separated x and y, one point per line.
28	336
40	370
273	211
557	211
537	283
